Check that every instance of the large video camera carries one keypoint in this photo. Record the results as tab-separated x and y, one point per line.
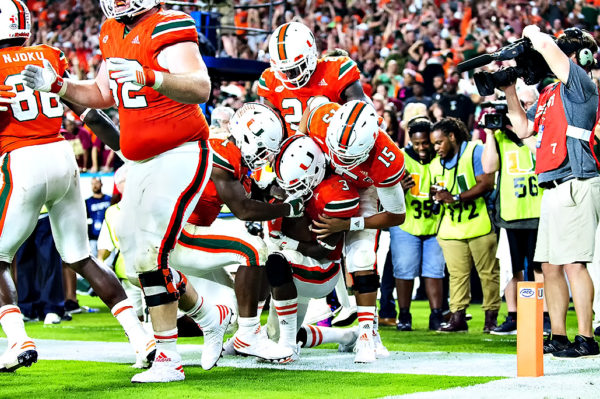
496	119
530	66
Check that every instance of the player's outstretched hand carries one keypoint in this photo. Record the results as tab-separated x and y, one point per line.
43	79
123	71
7	97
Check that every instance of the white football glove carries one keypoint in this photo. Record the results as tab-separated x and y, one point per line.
122	71
283	241
296	207
7	97
44	79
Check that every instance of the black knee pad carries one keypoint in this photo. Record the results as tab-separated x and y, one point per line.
164	289
279	271
365	283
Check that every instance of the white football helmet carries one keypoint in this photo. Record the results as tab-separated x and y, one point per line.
300	166
293	53
15	21
126	8
351	134
258	132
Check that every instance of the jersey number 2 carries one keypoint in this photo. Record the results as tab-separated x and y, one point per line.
138	101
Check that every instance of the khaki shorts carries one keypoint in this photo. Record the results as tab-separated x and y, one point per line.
568	221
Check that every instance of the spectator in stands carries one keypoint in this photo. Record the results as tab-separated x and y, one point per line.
465	233
454	104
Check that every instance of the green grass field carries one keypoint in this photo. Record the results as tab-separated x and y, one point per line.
107	380
56	379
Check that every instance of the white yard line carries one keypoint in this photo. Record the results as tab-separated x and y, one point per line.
563	378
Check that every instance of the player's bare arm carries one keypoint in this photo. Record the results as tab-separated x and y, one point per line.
92	93
355	92
328	225
298	230
233	195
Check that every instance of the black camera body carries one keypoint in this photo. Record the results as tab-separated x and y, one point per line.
497	119
530	66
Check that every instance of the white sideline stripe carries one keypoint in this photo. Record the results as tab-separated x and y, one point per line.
431	363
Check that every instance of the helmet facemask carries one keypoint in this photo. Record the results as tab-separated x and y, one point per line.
125	10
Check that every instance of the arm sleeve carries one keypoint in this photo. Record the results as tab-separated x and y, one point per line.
262	89
392	198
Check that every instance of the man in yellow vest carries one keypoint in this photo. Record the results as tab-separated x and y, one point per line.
465	232
415	250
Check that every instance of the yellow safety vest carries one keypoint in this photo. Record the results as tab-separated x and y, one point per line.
464	219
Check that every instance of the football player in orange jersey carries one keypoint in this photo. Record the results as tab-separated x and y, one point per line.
38	169
366	156
303	266
297	75
153	71
254	129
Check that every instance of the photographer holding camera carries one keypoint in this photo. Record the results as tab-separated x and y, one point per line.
465	233
518	202
564	118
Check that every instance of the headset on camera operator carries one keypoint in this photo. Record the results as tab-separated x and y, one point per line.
564	118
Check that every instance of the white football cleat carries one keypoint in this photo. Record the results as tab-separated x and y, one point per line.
365	348
166	367
345	317
295	355
20	354
380	350
260	346
352	337
214	323
144	357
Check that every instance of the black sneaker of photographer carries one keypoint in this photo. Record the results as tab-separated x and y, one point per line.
555	344
582	347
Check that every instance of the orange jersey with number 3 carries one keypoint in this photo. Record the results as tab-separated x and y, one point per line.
336	198
35	118
331	77
383	168
151	123
226	156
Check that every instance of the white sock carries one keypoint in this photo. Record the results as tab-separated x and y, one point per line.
365	318
11	321
196	311
287	313
316	335
342	292
166	340
126	315
261	306
248	325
